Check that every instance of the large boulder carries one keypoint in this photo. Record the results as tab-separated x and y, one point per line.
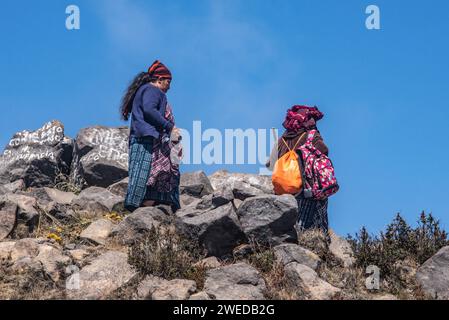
433	275
137	224
214	200
269	219
37	157
235	282
27	213
289	252
200	296
308	280
96	281
222	196
98	231
156	288
35	254
100	156
95	201
24	248
195	184
341	249
8	217
243	185
52	260
218	230
41	196
120	188
60	197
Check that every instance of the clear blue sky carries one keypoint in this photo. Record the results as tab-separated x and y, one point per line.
241	64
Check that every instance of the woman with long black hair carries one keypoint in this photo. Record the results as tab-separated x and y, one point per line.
152	137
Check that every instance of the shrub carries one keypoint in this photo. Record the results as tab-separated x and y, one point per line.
164	253
263	260
400	243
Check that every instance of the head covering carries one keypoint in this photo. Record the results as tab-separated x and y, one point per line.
159	70
302	117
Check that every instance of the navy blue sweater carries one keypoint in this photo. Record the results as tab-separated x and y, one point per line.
148	111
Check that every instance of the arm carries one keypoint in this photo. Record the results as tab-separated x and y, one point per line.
150	102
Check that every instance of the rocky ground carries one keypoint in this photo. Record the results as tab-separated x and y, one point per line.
64	234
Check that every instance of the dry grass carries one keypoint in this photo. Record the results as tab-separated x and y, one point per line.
278	287
164	253
316	241
62	182
29	284
63	233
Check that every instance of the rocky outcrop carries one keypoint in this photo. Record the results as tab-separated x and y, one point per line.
234	216
52	259
137	224
37	254
306	278
433	275
27	213
60	197
218	230
100	156
8	217
242	185
341	249
269	219
235	282
95	201
98	231
201	296
289	252
37	157
155	288
120	188
96	281
195	184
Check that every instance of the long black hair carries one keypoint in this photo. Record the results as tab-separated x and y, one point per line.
127	101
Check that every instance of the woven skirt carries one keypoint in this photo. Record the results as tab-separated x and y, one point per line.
312	214
140	153
140	158
168	198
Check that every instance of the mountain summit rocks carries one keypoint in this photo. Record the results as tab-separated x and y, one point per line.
100	156
75	230
37	157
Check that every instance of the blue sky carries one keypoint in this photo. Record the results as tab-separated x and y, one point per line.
241	64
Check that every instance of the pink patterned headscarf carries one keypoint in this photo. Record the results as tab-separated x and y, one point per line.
302	117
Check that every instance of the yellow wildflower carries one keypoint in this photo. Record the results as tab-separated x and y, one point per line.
54	236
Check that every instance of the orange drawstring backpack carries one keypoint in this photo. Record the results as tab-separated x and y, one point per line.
287	177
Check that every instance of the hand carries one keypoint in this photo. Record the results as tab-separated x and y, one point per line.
175	135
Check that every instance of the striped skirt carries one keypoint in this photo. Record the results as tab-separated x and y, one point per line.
312	214
140	158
